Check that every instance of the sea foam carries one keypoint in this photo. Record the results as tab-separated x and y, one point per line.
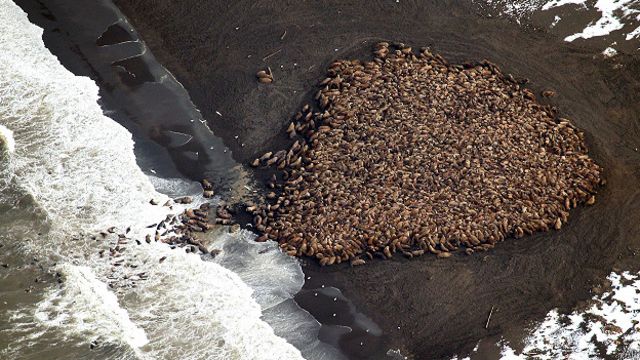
80	168
6	139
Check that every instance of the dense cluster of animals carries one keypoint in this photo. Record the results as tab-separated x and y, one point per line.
408	153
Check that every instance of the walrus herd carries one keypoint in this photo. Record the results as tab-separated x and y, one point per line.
176	230
408	153
179	231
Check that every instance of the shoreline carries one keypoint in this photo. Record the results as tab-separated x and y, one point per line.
129	76
523	279
155	156
455	323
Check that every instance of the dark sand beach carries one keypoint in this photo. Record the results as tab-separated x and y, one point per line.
428	308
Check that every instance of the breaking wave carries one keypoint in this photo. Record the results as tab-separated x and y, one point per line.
80	170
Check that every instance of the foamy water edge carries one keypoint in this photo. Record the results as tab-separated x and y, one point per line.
80	168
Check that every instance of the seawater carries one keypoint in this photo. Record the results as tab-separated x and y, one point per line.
66	172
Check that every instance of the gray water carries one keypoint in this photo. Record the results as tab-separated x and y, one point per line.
67	172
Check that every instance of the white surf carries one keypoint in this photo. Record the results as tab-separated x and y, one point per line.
6	139
80	168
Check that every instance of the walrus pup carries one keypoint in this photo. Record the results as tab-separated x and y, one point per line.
409	153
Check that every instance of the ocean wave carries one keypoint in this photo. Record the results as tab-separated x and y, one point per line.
85	304
6	140
79	167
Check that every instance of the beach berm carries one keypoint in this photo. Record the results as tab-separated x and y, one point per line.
408	153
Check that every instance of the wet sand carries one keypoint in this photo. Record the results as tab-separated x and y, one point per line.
215	48
90	39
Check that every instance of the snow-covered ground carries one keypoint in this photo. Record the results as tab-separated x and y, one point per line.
609	16
608	325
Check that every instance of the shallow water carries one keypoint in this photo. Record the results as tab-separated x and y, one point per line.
66	172
42	316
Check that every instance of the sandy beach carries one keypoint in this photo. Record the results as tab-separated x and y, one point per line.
428	308
522	278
